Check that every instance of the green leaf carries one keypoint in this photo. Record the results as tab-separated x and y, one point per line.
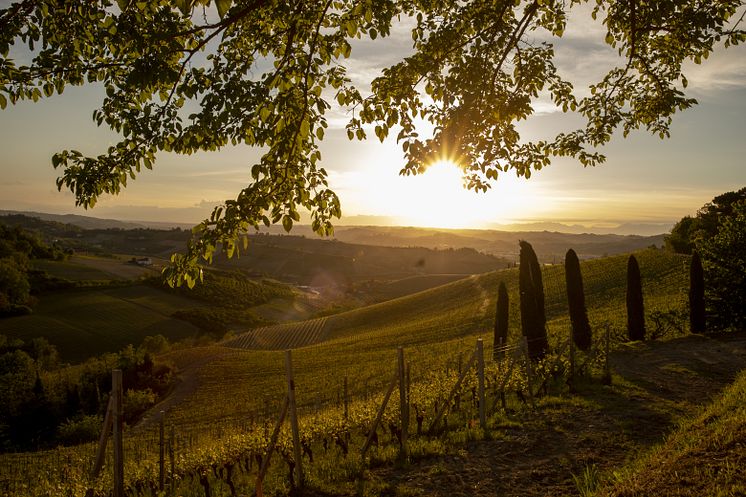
287	223
223	6
3	102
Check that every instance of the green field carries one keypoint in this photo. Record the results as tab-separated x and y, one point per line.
86	322
226	390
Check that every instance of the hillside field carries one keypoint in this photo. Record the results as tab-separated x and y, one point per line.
230	392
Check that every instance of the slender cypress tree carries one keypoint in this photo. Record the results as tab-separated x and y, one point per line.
697	320
581	328
635	308
501	320
533	317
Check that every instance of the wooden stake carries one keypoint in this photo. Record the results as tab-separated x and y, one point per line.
572	359
480	376
381	410
105	432
529	375
607	367
271	447
346	400
403	405
161	453
453	391
294	418
172	457
116	382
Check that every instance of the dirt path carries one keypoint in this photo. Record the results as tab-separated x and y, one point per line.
657	383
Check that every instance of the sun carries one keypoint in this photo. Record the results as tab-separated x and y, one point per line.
437	198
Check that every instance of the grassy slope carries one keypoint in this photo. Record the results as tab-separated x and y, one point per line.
705	456
433	326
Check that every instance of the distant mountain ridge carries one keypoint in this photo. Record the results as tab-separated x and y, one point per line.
550	245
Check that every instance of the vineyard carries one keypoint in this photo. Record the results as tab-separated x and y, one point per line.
231	395
281	336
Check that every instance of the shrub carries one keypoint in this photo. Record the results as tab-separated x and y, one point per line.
79	430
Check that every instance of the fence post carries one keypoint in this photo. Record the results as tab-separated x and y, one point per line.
272	442
116	388
529	374
172	457
346	400
607	368
381	410
294	418
480	375
403	405
105	432
572	361
161	453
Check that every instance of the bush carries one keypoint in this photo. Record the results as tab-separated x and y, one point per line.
136	402
80	430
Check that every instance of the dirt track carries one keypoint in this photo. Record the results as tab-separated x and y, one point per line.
657	382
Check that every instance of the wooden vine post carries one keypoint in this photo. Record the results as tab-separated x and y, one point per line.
439	413
529	373
118	424
572	360
105	432
346	400
294	418
607	367
403	405
161	452
379	416
480	376
272	442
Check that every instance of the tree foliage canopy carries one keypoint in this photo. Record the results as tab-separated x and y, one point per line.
724	261
190	75
690	231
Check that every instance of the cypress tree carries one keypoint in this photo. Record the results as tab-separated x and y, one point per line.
501	320
696	295
635	308
533	317
581	328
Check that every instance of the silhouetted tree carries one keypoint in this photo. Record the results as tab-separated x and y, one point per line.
696	295
581	329
533	317
635	308
501	320
724	259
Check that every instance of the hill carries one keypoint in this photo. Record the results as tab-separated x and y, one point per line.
228	394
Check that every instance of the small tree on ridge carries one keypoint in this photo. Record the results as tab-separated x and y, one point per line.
635	307
581	328
533	317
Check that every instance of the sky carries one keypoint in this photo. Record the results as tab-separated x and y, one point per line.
644	181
